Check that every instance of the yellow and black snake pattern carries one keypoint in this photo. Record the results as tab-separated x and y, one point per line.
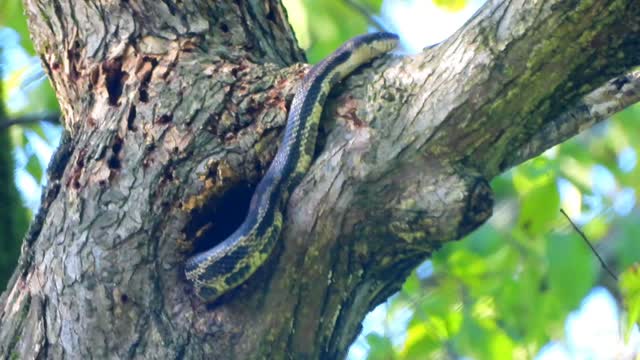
230	263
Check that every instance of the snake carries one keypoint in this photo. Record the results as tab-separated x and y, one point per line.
230	263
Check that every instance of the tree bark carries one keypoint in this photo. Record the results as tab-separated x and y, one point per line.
175	110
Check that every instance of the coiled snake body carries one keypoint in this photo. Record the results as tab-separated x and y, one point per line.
230	263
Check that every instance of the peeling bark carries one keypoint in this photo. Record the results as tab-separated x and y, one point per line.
175	110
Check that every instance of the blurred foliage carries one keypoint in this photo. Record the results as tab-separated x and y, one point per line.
22	93
320	24
14	218
12	16
504	291
451	5
630	288
23	83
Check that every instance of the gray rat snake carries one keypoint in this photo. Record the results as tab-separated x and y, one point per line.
230	263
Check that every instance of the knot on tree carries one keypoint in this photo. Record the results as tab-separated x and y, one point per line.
415	209
479	206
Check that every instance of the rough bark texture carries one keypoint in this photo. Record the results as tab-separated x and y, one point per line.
175	109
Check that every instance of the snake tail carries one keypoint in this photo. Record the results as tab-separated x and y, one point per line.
228	264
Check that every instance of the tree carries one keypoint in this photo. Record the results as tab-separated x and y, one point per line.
175	110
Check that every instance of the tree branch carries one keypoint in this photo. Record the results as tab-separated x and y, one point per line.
479	97
598	105
27	119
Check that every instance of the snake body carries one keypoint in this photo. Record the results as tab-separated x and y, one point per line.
234	260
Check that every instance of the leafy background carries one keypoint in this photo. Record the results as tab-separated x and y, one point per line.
523	286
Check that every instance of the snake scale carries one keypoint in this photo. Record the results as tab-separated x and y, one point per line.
228	264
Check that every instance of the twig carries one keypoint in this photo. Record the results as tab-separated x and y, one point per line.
53	118
367	14
602	262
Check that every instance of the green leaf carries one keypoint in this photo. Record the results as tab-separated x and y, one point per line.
299	20
630	289
628	248
485	340
571	271
421	339
324	27
380	347
486	241
415	343
629	116
12	15
42	99
373	5
535	181
451	5
502	187
18	138
539	208
532	174
411	285
467	265
34	168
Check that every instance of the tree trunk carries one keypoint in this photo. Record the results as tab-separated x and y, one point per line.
175	110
